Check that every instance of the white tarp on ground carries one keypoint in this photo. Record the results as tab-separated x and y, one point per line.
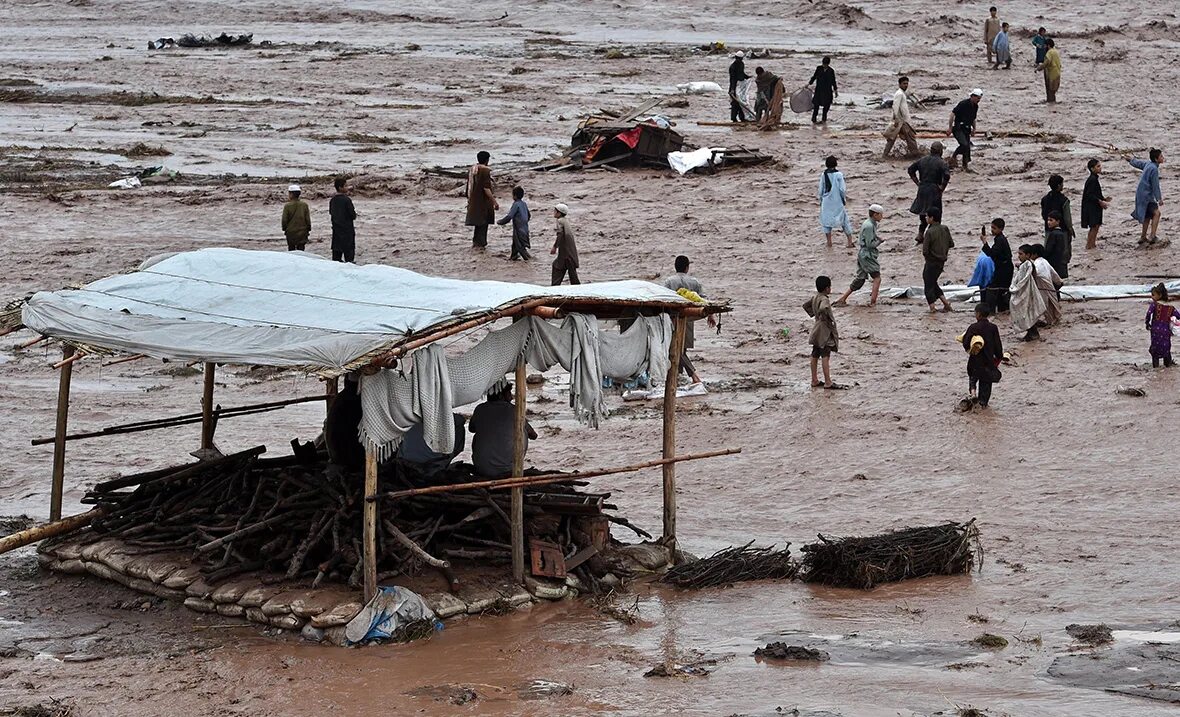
1069	292
280	308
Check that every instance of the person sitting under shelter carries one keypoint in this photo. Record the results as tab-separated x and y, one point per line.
416	454
493	442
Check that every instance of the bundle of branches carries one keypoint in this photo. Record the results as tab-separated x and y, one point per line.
303	519
899	555
733	565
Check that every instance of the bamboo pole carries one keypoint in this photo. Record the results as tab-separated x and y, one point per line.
70	359
370	525
546	478
181	420
59	435
31	343
675	351
331	390
125	359
517	513
48	530
207	425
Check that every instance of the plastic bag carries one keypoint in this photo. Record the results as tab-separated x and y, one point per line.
390	608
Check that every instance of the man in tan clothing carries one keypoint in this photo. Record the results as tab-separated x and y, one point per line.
564	248
901	125
991	28
296	220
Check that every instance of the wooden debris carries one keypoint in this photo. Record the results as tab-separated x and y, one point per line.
902	554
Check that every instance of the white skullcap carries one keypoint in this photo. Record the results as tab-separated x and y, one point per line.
877	209
294	188
739	53
563	208
977	92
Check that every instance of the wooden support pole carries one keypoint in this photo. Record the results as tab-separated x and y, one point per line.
370	528
207	424
331	390
517	514
48	530
59	436
675	351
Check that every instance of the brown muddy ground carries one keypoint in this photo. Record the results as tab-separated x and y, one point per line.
1070	481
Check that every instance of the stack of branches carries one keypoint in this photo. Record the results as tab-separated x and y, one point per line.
733	565
947	549
302	518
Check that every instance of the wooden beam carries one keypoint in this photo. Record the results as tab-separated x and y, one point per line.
675	351
331	390
546	478
59	435
48	530
207	425
517	512
370	527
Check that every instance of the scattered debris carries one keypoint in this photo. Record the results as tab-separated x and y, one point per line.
902	554
700	668
540	689
139	149
605	604
1090	634
989	640
1131	391
979	618
733	565
223	40
783	651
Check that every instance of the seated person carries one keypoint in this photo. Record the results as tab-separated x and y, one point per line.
492	423
414	451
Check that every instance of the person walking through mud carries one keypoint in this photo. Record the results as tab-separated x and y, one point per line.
519	215
1093	203
481	200
936	247
901	124
1051	66
931	173
564	248
991	28
737	73
833	200
296	221
1159	322
824	337
867	262
824	79
1148	197
343	223
1040	46
1002	46
962	127
985	351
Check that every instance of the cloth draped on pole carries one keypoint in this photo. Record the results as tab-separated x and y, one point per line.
429	389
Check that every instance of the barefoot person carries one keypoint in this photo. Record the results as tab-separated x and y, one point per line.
991	29
1159	322
1148	198
982	342
1093	202
901	126
683	280
931	174
832	200
564	248
1051	66
867	265
824	337
936	246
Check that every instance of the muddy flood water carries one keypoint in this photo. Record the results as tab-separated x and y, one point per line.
1072	484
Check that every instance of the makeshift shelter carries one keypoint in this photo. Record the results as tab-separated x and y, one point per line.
290	309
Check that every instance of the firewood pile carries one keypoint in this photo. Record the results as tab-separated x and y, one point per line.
303	519
864	562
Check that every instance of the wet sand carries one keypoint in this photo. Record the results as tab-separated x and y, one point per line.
1070	482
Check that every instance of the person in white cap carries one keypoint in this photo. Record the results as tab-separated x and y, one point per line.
737	73
564	248
962	126
296	219
867	264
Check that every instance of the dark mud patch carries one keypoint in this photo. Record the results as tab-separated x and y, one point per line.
855	649
1150	671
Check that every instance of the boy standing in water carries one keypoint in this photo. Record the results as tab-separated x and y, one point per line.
519	215
824	338
982	342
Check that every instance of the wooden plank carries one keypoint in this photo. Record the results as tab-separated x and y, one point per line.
59	436
49	530
640	109
517	511
370	526
207	424
331	390
675	350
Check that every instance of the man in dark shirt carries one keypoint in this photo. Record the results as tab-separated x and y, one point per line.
343	216
737	73
996	293
962	126
824	78
931	174
936	246
983	362
1057	201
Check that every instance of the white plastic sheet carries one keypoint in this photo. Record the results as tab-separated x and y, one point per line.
277	308
698	88
685	162
1069	292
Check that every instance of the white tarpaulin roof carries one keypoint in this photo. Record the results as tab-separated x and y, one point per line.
282	308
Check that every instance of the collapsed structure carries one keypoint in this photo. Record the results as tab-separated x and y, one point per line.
183	532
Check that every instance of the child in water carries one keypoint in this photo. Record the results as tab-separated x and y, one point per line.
1159	322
